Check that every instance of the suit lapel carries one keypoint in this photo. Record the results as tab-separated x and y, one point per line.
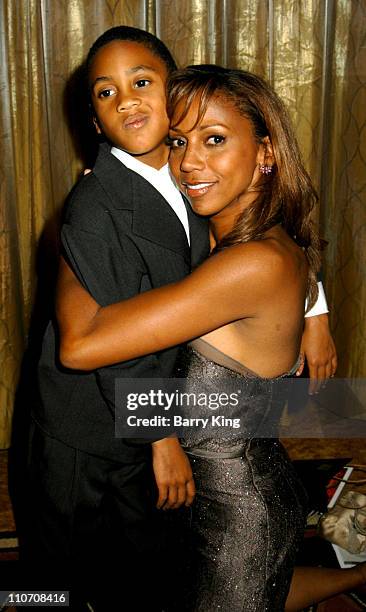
200	244
153	218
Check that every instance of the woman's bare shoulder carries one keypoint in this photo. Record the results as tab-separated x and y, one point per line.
261	259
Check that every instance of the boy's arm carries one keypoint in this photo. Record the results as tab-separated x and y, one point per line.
173	474
107	275
317	343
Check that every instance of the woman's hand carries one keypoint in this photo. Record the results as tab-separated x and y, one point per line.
320	353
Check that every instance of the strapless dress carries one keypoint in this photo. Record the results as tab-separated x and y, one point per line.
248	516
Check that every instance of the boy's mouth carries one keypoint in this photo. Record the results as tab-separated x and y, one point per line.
135	121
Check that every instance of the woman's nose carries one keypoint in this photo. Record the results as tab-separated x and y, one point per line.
193	159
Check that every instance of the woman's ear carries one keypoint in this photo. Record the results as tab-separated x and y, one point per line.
265	155
96	125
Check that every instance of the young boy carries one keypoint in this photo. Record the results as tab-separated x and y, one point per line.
121	236
126	229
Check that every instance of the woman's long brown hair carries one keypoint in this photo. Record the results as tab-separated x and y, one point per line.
286	196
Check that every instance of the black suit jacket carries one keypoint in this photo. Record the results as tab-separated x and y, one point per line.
121	238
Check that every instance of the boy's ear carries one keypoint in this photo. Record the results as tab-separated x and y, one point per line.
96	125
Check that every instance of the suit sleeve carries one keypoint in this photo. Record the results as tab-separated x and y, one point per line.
101	255
105	261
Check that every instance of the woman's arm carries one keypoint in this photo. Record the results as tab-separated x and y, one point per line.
228	286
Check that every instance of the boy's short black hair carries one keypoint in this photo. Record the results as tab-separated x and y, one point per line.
151	42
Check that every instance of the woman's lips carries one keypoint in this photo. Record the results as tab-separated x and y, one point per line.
134	122
194	190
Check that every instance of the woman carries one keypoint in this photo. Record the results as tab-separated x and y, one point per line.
234	156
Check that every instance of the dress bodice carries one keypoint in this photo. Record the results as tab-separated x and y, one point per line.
238	404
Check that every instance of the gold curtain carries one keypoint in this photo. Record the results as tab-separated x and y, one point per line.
312	51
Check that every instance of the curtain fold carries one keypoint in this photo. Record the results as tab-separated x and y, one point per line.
343	217
313	53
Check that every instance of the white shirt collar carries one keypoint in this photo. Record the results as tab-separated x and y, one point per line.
133	163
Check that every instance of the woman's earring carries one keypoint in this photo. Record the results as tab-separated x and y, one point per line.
265	169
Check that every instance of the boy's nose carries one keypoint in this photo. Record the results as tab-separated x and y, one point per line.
127	102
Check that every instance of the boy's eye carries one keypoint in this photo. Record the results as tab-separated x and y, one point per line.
106	93
142	83
215	139
176	143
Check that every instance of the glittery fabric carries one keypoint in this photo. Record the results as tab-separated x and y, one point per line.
248	516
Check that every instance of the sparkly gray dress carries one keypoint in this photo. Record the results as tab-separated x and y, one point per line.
248	516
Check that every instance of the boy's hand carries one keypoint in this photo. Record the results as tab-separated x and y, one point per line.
173	474
318	347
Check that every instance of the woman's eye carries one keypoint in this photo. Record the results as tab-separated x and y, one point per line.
142	83
176	143
215	139
105	93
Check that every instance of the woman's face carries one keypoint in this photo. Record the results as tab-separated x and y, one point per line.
216	162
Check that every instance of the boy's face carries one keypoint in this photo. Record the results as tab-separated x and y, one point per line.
127	83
